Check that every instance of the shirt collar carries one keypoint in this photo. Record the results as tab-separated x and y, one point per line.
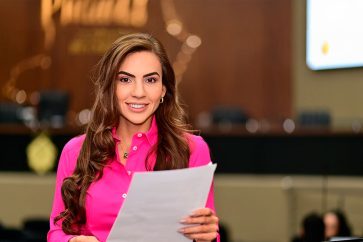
114	135
151	134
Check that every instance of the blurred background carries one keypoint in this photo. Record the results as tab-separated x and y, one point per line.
274	86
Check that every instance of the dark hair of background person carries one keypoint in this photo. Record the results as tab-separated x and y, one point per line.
172	149
313	229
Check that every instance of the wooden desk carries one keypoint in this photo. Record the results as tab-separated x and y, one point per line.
305	151
15	138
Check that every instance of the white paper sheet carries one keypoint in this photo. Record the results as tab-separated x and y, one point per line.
157	201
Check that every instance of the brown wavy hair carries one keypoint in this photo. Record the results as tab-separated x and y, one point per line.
172	149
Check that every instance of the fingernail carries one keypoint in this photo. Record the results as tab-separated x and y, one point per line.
183	220
181	230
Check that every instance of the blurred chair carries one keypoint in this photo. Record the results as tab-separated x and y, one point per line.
11	235
224	233
10	112
36	229
229	115
53	107
314	119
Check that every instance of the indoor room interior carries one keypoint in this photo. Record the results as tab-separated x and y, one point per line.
275	87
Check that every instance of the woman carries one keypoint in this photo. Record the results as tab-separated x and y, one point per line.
137	124
336	224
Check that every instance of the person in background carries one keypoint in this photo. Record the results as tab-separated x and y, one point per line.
336	224
312	229
137	124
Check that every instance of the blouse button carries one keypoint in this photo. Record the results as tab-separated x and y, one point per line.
124	195
139	135
134	148
129	172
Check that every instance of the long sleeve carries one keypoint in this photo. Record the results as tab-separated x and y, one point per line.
200	156
66	166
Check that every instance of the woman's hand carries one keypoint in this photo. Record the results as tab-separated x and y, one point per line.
83	238
202	225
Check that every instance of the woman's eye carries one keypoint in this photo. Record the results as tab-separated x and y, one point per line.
124	79
151	80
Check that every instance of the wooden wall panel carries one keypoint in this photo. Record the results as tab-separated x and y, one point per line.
244	59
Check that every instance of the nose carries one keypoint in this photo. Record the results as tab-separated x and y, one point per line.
139	89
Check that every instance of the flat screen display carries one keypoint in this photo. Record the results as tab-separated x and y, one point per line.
334	34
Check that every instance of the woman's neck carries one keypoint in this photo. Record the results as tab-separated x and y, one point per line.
126	130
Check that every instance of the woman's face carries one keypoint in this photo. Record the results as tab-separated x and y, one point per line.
139	89
331	225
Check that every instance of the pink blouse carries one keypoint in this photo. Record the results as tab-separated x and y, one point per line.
105	196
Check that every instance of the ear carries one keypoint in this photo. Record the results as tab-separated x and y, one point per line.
163	91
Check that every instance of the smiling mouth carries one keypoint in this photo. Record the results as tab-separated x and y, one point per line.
136	105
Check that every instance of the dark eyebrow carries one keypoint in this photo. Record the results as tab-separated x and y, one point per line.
125	73
152	73
129	74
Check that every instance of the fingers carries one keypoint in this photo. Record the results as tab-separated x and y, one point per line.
202	225
210	228
83	238
203	212
202	237
201	216
212	219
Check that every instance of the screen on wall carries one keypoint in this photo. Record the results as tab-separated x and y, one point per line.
334	36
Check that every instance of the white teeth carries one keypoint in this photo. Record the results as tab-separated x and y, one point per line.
137	105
